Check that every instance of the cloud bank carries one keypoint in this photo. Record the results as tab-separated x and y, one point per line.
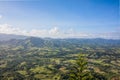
55	32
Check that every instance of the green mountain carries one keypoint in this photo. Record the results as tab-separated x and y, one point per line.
34	58
57	43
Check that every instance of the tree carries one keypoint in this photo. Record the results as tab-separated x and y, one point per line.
79	71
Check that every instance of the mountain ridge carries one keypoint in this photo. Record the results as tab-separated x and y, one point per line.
50	42
5	37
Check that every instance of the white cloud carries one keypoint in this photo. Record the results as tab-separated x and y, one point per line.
56	33
39	33
8	29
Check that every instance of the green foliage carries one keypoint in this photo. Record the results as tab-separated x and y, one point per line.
80	71
50	59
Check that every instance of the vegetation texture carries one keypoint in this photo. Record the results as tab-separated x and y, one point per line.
57	59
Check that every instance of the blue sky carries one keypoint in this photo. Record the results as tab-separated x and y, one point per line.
64	16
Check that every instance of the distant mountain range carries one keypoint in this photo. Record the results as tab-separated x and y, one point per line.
18	40
5	37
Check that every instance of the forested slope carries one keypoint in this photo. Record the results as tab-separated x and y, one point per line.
50	59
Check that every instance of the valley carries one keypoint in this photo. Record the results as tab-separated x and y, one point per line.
50	59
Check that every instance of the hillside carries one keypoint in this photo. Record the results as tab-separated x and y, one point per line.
48	59
49	42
